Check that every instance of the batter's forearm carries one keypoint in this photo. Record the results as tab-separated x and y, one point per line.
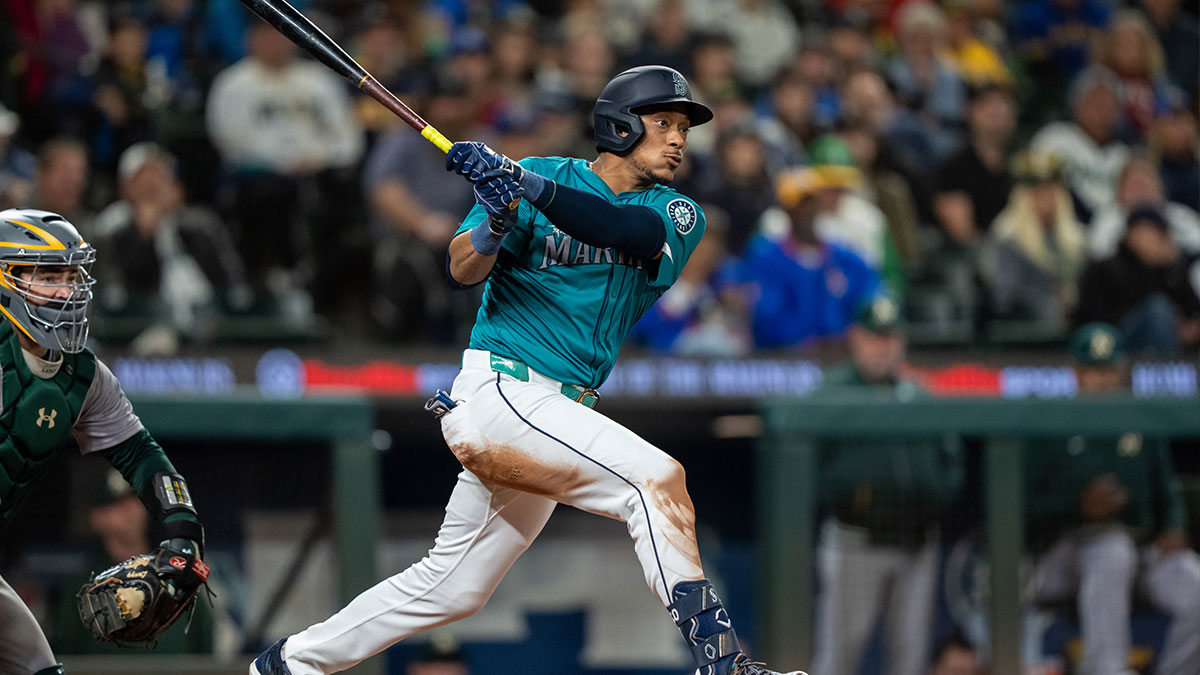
468	266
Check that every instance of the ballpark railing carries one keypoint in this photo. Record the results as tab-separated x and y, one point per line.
788	480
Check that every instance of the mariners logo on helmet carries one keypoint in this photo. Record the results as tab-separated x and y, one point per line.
681	86
683	213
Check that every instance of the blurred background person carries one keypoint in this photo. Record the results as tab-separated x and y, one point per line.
802	289
925	82
61	182
1107	520
1144	289
1132	51
123	94
846	217
1173	140
887	189
701	314
1177	31
973	184
414	213
17	165
1088	142
878	550
289	143
1055	40
1140	184
51	47
762	31
737	182
1035	250
171	264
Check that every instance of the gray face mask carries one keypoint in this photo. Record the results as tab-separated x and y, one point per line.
53	309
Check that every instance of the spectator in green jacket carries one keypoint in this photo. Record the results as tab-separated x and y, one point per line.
1106	516
883	498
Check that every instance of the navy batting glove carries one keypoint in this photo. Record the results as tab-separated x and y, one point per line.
498	193
473	159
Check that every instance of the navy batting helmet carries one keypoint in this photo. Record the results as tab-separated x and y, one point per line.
634	91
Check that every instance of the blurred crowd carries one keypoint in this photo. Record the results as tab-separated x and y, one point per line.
1008	171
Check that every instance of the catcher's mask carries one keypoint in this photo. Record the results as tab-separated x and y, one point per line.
45	280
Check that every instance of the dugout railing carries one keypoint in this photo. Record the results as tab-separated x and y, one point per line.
787	474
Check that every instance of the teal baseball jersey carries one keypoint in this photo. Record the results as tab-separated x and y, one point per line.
562	306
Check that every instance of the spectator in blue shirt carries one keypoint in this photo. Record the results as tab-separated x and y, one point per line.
804	289
1054	38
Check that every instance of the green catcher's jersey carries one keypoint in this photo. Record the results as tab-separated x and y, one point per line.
564	307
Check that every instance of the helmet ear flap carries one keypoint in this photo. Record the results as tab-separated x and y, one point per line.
609	130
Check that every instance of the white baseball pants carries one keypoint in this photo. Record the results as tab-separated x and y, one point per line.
525	447
1101	566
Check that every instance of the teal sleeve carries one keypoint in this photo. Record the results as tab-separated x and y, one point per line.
139	458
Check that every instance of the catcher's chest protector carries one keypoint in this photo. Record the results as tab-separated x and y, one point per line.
36	416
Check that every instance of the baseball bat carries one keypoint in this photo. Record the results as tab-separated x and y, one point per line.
297	28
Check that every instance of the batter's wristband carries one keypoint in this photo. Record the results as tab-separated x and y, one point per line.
538	190
484	240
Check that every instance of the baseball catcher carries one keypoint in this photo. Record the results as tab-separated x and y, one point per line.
52	387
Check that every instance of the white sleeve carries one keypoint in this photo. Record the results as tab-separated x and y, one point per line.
107	417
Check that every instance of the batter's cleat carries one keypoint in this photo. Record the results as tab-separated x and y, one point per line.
271	661
742	665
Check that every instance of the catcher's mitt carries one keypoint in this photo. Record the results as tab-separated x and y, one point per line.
140	598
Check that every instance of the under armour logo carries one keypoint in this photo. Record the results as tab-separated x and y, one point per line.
49	419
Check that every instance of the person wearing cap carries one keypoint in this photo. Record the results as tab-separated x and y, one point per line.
121	526
801	288
1088	142
1146	289
878	549
1035	250
1106	521
847	218
169	262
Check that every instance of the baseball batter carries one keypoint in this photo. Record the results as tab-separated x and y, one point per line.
53	387
568	272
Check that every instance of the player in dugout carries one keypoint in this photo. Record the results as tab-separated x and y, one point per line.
568	272
54	387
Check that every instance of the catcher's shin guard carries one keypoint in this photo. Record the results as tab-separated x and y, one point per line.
271	661
705	626
55	669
